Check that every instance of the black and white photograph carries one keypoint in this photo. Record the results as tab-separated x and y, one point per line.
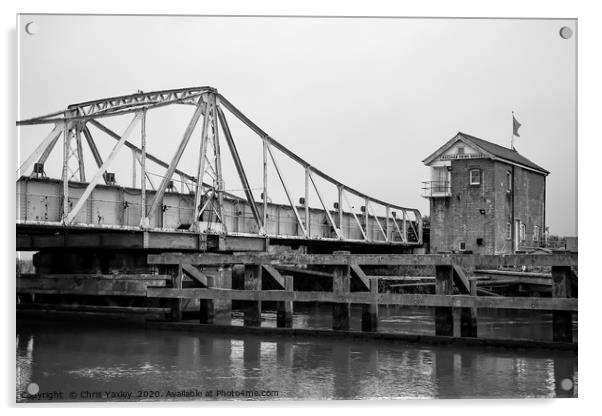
295	208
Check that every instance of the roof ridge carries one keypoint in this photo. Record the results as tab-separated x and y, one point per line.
502	152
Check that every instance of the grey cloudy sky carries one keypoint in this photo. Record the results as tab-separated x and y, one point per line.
365	100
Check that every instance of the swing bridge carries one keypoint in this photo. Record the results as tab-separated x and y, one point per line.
110	251
98	211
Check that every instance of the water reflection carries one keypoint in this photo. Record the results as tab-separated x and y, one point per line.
510	324
97	359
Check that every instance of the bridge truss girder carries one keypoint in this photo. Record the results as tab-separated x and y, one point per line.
208	196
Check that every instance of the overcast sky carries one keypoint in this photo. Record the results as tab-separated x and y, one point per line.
365	100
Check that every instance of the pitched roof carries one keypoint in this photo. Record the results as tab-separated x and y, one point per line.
495	150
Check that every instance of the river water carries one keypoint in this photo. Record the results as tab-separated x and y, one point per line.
97	362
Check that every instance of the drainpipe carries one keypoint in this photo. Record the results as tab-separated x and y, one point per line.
543	229
513	226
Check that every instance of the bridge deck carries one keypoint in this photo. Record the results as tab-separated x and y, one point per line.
47	236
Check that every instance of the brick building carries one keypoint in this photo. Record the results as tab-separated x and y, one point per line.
484	198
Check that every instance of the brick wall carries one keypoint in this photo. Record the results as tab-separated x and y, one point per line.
458	218
503	208
529	191
483	211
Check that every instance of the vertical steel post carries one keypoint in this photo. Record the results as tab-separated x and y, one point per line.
133	168
340	194
307	218
201	167
65	167
218	160
143	169
388	225
265	186
404	226
80	154
366	220
419	225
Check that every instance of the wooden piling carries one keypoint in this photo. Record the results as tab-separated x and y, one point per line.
444	319
176	281
468	322
252	311
562	321
370	311
284	309
217	311
468	316
341	312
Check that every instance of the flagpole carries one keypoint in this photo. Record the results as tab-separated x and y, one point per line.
512	139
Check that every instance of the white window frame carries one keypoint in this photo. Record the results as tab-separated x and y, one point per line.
522	231
470	172
508	231
535	233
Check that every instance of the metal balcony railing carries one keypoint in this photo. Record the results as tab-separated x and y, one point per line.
436	189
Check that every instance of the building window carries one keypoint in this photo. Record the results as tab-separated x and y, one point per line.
460	150
462	246
508	181
523	231
508	231
440	177
535	233
475	176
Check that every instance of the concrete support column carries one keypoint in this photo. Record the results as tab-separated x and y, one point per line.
444	319
370	311
341	312
252	308
562	321
284	309
217	311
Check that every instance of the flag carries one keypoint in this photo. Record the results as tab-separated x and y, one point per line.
515	126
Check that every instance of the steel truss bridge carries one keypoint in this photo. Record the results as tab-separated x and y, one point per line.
79	211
